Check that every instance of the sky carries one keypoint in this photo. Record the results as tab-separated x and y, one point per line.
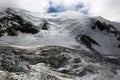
109	9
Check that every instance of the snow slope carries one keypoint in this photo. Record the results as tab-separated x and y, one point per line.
64	29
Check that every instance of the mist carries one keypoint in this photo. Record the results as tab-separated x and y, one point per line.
9	3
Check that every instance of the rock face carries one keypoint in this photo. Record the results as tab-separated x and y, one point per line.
56	63
100	25
11	23
107	28
44	27
88	41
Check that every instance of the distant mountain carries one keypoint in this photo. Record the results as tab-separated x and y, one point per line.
58	46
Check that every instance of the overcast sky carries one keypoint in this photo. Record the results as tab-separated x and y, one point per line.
109	9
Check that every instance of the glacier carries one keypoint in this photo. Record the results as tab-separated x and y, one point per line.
58	46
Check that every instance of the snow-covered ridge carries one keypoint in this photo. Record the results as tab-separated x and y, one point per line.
68	29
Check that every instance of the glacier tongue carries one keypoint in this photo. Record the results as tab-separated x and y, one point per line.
56	63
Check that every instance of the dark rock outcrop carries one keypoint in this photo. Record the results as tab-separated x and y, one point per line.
45	27
12	22
88	41
105	27
119	46
100	25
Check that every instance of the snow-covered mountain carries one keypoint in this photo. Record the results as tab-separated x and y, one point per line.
68	29
58	46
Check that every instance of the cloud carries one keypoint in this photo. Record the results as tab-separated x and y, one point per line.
63	5
35	5
43	5
8	3
108	9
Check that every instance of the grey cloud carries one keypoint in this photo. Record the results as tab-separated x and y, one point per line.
8	3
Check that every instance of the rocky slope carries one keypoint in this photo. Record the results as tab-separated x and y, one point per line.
56	63
58	46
